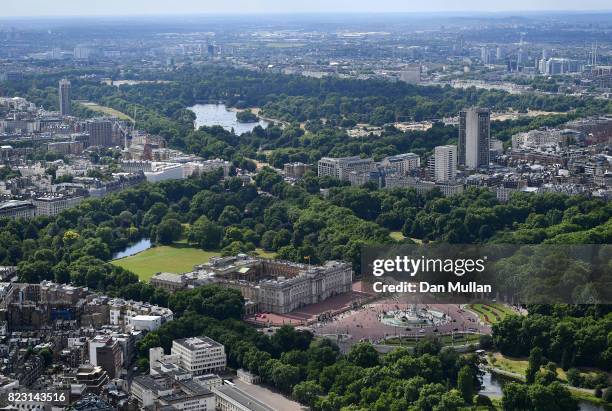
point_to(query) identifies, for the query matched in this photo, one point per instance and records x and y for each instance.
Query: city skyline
(39, 8)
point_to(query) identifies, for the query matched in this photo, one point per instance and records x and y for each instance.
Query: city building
(120, 311)
(448, 188)
(146, 322)
(169, 281)
(361, 178)
(445, 163)
(66, 147)
(295, 170)
(65, 98)
(537, 138)
(52, 205)
(411, 74)
(474, 135)
(164, 171)
(94, 378)
(207, 166)
(172, 391)
(17, 209)
(401, 163)
(340, 168)
(105, 352)
(555, 66)
(231, 398)
(199, 355)
(100, 132)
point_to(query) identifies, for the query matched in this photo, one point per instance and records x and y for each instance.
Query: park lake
(219, 115)
(140, 245)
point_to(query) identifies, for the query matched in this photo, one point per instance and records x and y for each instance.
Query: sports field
(173, 259)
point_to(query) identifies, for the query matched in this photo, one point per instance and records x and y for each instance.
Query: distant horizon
(296, 15)
(135, 8)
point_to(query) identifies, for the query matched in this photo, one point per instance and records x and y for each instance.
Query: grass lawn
(396, 235)
(585, 396)
(491, 313)
(515, 365)
(446, 340)
(265, 254)
(177, 258)
(105, 110)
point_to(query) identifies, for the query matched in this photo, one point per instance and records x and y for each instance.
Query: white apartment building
(341, 168)
(164, 171)
(146, 322)
(445, 163)
(402, 163)
(52, 205)
(200, 355)
(207, 166)
(122, 311)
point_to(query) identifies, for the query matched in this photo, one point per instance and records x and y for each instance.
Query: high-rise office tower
(64, 97)
(499, 54)
(484, 55)
(474, 137)
(445, 163)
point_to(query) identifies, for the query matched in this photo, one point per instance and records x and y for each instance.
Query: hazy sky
(131, 7)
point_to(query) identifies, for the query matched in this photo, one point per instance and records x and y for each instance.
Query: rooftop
(7, 205)
(242, 398)
(197, 343)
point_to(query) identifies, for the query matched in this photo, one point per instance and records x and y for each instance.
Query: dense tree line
(476, 216)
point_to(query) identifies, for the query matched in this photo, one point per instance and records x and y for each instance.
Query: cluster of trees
(542, 397)
(570, 335)
(246, 116)
(476, 216)
(542, 390)
(6, 173)
(74, 246)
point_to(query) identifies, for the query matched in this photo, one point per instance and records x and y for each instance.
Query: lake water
(219, 115)
(135, 248)
(493, 384)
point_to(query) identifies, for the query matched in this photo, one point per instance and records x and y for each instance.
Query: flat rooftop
(198, 343)
(243, 398)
